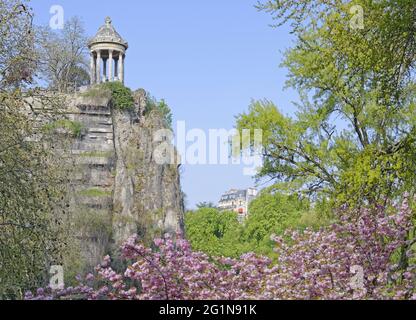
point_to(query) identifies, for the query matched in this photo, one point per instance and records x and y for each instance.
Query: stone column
(98, 67)
(121, 63)
(116, 69)
(105, 69)
(110, 65)
(92, 68)
(119, 67)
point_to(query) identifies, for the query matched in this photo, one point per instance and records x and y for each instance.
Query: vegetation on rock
(121, 96)
(152, 104)
(95, 192)
(74, 127)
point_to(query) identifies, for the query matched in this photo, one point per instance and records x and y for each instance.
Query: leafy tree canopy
(353, 137)
(213, 232)
(221, 234)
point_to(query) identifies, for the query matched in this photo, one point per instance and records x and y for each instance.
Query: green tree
(353, 137)
(32, 181)
(221, 234)
(213, 232)
(274, 213)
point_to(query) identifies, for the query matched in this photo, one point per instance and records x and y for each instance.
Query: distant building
(237, 201)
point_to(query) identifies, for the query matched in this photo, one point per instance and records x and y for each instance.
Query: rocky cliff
(117, 189)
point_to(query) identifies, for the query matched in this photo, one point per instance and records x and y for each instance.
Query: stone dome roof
(108, 34)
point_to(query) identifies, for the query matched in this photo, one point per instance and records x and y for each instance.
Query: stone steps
(98, 136)
(93, 153)
(94, 110)
(105, 130)
(99, 161)
(93, 146)
(103, 180)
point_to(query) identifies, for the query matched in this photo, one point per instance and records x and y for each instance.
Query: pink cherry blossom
(310, 265)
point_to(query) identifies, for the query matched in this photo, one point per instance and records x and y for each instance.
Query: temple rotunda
(108, 52)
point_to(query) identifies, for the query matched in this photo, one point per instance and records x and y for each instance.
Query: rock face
(118, 188)
(147, 196)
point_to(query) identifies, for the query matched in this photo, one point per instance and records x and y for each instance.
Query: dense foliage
(311, 265)
(214, 233)
(218, 233)
(121, 96)
(30, 189)
(273, 214)
(31, 176)
(353, 137)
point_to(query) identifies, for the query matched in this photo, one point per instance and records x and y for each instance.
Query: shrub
(74, 127)
(121, 96)
(161, 106)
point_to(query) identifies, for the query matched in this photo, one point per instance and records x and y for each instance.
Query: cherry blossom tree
(366, 255)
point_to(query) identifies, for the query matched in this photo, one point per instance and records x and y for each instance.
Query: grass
(97, 91)
(94, 192)
(96, 154)
(121, 96)
(74, 127)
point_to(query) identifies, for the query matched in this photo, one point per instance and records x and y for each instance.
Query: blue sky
(207, 59)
